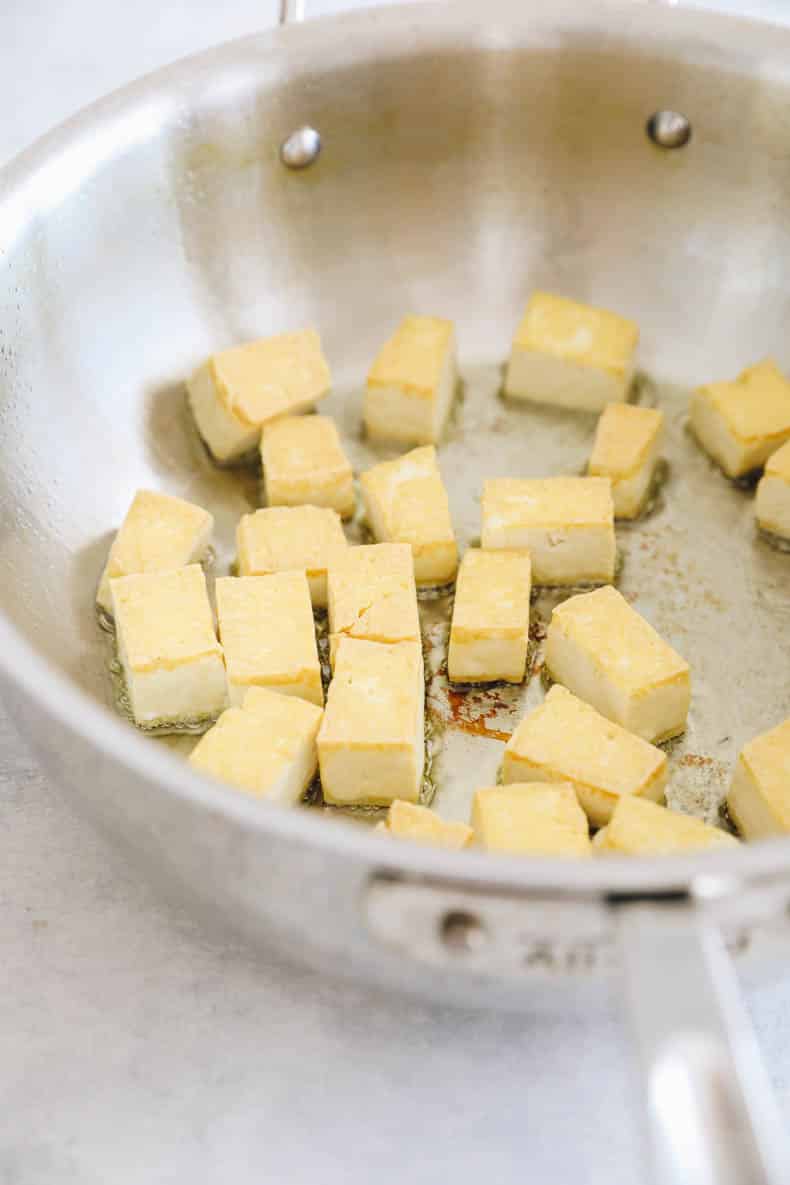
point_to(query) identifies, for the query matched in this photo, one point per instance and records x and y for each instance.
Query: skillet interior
(467, 160)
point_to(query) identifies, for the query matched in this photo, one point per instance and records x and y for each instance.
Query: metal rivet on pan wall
(462, 931)
(669, 129)
(301, 148)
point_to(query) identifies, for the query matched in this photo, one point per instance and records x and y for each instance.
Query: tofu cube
(639, 827)
(406, 502)
(571, 355)
(169, 653)
(531, 819)
(291, 539)
(772, 505)
(370, 744)
(267, 629)
(159, 533)
(626, 450)
(565, 523)
(759, 797)
(409, 820)
(304, 464)
(742, 422)
(372, 595)
(489, 633)
(565, 740)
(237, 391)
(267, 747)
(606, 653)
(412, 382)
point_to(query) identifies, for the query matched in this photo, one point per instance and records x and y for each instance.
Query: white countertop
(136, 1047)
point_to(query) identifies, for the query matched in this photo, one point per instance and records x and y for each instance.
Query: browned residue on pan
(471, 710)
(696, 759)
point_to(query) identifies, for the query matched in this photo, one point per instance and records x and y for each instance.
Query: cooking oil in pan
(694, 565)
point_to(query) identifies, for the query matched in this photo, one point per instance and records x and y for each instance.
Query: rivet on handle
(462, 931)
(669, 129)
(301, 149)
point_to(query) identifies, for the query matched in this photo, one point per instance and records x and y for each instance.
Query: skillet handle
(712, 1118)
(292, 12)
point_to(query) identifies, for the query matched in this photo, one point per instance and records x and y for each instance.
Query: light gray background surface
(134, 1046)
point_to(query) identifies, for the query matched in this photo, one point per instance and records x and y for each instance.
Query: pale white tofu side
(566, 556)
(740, 424)
(626, 450)
(751, 811)
(759, 796)
(228, 438)
(571, 354)
(734, 456)
(606, 653)
(566, 524)
(404, 400)
(186, 695)
(266, 747)
(630, 493)
(171, 660)
(371, 742)
(772, 505)
(487, 660)
(541, 378)
(392, 413)
(489, 632)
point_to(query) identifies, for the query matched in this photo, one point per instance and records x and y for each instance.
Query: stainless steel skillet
(467, 157)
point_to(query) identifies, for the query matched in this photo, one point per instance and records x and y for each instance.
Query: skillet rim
(159, 95)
